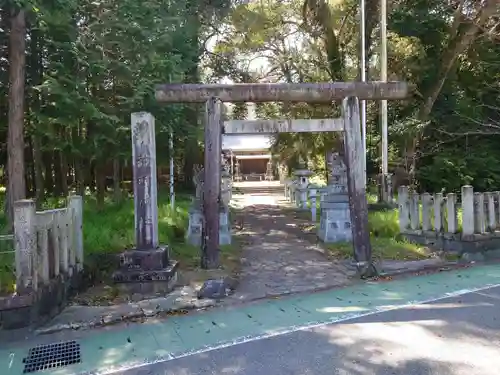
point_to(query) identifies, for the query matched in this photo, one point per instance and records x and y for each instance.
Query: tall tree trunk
(79, 176)
(64, 173)
(49, 172)
(78, 163)
(100, 181)
(29, 167)
(39, 181)
(321, 15)
(117, 191)
(58, 188)
(15, 138)
(36, 68)
(192, 75)
(91, 176)
(460, 39)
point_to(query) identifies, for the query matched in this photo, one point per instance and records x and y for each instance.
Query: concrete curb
(104, 316)
(445, 266)
(180, 302)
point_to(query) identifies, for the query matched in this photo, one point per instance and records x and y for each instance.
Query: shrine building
(248, 155)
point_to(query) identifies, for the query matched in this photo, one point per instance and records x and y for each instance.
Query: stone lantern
(301, 187)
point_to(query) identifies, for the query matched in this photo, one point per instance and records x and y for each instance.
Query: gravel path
(279, 258)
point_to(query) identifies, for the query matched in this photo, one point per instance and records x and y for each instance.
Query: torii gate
(349, 124)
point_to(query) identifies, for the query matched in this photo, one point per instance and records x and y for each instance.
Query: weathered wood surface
(355, 181)
(46, 242)
(283, 126)
(145, 185)
(281, 92)
(212, 182)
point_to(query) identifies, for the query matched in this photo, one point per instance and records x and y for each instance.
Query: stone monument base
(335, 219)
(224, 227)
(193, 235)
(195, 225)
(146, 271)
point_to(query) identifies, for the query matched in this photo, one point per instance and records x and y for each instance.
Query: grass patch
(385, 241)
(385, 238)
(7, 264)
(189, 255)
(382, 248)
(111, 228)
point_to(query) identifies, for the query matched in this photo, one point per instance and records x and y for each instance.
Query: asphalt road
(456, 335)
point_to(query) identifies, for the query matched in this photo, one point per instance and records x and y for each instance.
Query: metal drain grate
(51, 356)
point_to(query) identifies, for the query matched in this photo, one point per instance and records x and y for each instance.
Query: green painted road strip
(105, 351)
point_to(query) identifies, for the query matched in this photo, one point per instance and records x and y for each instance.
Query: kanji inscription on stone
(145, 187)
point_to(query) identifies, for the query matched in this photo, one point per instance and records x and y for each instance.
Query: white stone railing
(305, 198)
(47, 243)
(476, 213)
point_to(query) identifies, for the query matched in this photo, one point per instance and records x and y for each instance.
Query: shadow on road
(458, 336)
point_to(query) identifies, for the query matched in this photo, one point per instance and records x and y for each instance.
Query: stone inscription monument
(147, 267)
(335, 217)
(144, 169)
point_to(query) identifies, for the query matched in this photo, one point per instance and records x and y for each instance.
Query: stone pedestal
(195, 224)
(146, 272)
(224, 227)
(335, 215)
(195, 227)
(335, 220)
(226, 188)
(147, 268)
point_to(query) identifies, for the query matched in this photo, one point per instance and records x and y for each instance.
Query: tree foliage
(447, 49)
(89, 65)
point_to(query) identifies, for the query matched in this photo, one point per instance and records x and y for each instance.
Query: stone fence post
(76, 205)
(312, 195)
(467, 210)
(404, 208)
(25, 244)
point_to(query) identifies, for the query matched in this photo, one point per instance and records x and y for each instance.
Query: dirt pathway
(278, 258)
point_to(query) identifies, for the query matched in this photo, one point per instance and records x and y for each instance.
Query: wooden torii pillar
(350, 92)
